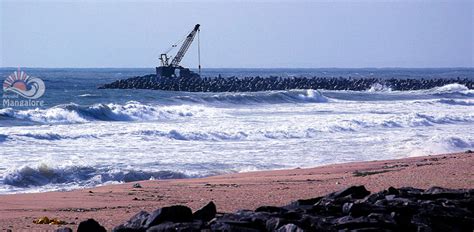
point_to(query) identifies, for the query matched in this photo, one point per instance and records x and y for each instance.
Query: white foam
(241, 132)
(452, 88)
(377, 87)
(440, 144)
(313, 96)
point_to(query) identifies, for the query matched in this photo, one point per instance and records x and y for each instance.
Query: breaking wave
(457, 102)
(310, 131)
(43, 174)
(377, 87)
(44, 177)
(136, 111)
(423, 119)
(452, 88)
(440, 144)
(73, 113)
(455, 88)
(272, 97)
(54, 136)
(193, 136)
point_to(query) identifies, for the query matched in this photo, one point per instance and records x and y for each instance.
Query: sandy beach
(113, 204)
(241, 116)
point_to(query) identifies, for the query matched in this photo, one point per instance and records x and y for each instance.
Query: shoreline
(114, 204)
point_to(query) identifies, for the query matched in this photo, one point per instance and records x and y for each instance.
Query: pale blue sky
(240, 34)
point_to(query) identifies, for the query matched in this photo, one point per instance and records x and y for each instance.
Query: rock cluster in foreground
(252, 84)
(354, 209)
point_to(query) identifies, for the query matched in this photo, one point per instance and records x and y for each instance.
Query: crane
(173, 69)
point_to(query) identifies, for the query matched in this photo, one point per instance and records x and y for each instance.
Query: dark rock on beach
(351, 209)
(206, 213)
(136, 223)
(176, 213)
(252, 84)
(90, 225)
(137, 185)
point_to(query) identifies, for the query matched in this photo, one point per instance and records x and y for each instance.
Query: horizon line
(388, 67)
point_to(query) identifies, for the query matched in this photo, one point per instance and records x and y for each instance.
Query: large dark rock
(206, 213)
(233, 226)
(438, 192)
(134, 224)
(176, 213)
(290, 228)
(275, 223)
(90, 225)
(356, 192)
(163, 227)
(271, 209)
(177, 227)
(351, 209)
(303, 204)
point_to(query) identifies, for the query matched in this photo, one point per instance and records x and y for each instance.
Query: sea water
(84, 137)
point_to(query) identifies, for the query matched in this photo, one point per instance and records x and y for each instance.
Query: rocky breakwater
(252, 84)
(351, 209)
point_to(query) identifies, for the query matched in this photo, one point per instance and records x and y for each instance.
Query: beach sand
(114, 204)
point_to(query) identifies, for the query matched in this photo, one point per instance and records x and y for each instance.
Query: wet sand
(114, 204)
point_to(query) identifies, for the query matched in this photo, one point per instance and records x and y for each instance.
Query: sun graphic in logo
(22, 84)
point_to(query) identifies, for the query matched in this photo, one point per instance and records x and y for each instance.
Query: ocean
(83, 136)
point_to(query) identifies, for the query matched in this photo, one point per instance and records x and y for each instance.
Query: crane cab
(173, 69)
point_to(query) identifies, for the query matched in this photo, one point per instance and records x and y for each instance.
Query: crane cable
(199, 52)
(174, 45)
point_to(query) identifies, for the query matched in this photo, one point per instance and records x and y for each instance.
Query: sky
(238, 34)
